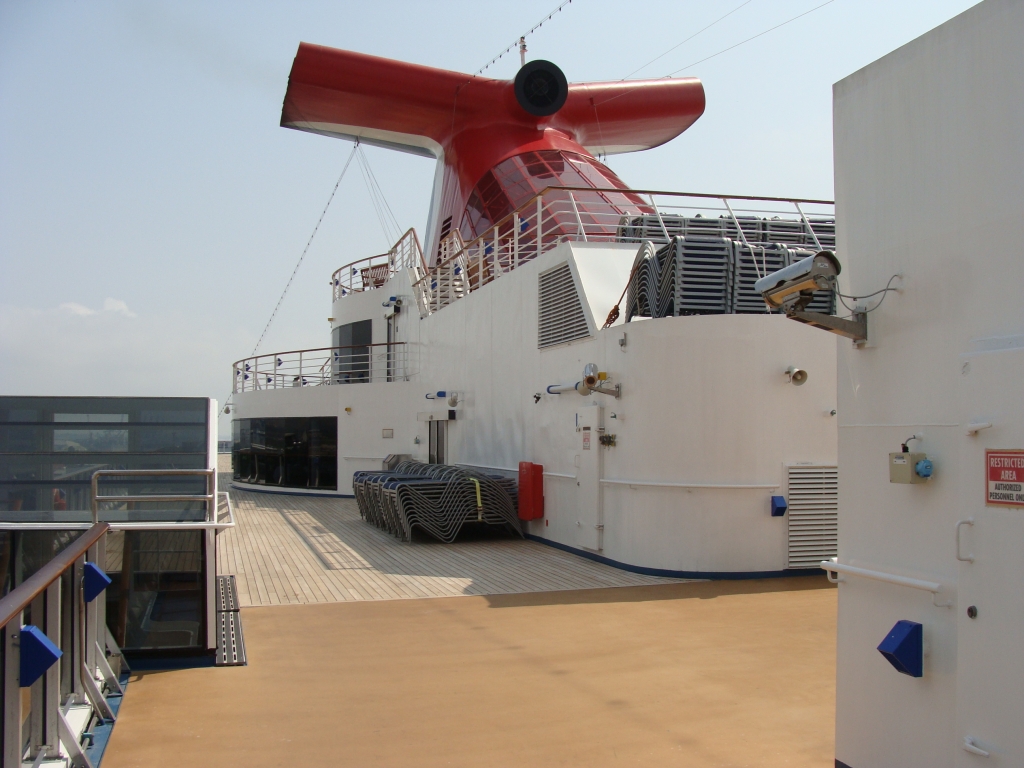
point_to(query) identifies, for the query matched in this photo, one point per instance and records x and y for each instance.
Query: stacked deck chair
(438, 499)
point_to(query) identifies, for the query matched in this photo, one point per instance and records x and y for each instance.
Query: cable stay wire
(373, 200)
(305, 250)
(725, 50)
(388, 223)
(759, 34)
(684, 42)
(380, 191)
(522, 37)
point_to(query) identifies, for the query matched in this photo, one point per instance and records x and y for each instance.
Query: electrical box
(909, 468)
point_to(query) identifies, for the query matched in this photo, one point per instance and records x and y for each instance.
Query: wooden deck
(301, 549)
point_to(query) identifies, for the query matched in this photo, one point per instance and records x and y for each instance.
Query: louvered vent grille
(561, 317)
(813, 514)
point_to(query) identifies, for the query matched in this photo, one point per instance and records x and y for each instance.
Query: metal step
(227, 594)
(230, 641)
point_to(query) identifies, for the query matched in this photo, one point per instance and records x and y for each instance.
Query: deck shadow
(691, 590)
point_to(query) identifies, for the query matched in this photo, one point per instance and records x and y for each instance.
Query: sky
(152, 208)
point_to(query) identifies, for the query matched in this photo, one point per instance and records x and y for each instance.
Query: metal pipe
(726, 486)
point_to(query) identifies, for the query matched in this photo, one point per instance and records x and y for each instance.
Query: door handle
(959, 525)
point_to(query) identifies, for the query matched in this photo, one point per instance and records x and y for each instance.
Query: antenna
(522, 51)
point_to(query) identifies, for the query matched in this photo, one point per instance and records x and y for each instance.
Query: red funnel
(495, 154)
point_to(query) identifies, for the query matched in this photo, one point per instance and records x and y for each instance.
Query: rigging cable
(306, 249)
(759, 34)
(532, 29)
(725, 50)
(388, 223)
(709, 26)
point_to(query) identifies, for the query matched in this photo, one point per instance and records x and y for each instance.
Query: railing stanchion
(810, 229)
(12, 695)
(540, 213)
(664, 229)
(579, 222)
(515, 241)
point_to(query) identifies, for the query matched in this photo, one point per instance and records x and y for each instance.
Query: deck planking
(289, 550)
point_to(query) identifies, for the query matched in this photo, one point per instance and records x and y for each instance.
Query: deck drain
(230, 642)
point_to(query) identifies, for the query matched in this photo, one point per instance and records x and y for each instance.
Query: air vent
(560, 317)
(813, 514)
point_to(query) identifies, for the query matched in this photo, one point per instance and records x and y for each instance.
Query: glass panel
(105, 440)
(50, 448)
(156, 599)
(90, 417)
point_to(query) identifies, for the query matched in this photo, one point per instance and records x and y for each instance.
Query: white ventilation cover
(813, 514)
(560, 317)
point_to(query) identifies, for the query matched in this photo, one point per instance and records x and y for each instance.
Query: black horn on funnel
(541, 88)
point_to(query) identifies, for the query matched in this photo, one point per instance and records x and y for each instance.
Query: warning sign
(1005, 478)
(586, 439)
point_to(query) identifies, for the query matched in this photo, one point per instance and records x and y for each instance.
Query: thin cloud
(77, 309)
(116, 305)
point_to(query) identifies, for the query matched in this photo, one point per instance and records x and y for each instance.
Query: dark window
(513, 182)
(437, 442)
(352, 360)
(290, 452)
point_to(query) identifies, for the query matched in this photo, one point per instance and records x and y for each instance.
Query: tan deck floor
(689, 674)
(303, 549)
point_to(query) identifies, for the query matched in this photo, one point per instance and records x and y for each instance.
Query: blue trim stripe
(662, 572)
(258, 489)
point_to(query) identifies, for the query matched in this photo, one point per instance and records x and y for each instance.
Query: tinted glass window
(292, 453)
(51, 446)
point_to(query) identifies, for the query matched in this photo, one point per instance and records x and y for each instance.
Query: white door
(589, 516)
(990, 646)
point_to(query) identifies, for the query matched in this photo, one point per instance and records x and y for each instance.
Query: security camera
(793, 287)
(797, 376)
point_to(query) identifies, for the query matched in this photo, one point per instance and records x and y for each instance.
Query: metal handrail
(19, 598)
(406, 253)
(219, 525)
(834, 566)
(317, 349)
(532, 202)
(210, 497)
(322, 366)
(557, 213)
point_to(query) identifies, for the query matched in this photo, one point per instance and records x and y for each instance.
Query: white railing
(368, 363)
(585, 214)
(372, 272)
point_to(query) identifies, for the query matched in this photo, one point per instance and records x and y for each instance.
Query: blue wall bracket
(38, 654)
(95, 581)
(779, 506)
(903, 647)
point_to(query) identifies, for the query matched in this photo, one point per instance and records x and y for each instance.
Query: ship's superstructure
(672, 445)
(931, 429)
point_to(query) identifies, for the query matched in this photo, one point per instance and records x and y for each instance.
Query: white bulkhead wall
(929, 168)
(705, 401)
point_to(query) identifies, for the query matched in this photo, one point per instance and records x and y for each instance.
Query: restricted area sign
(1005, 478)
